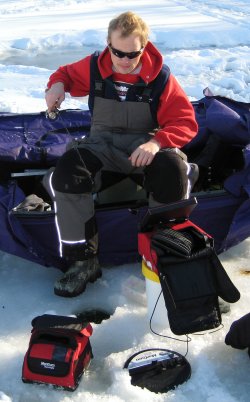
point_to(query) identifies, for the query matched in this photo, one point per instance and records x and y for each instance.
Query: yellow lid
(148, 273)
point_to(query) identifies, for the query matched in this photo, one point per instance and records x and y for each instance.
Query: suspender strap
(97, 85)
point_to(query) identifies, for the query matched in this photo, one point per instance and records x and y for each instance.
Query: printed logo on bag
(50, 366)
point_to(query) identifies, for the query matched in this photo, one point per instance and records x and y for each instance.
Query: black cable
(188, 339)
(171, 337)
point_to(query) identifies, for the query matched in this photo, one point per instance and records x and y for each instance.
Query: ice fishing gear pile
(191, 278)
(59, 351)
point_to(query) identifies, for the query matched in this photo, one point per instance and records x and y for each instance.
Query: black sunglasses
(121, 55)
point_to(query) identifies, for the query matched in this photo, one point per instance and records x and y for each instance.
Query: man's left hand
(144, 154)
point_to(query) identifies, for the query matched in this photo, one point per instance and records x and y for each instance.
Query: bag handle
(58, 322)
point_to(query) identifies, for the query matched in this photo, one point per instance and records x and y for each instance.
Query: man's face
(129, 44)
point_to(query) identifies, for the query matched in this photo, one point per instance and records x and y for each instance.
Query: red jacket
(175, 113)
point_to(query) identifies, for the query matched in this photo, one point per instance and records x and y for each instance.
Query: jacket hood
(151, 63)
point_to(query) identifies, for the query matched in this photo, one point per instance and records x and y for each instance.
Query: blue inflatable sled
(32, 143)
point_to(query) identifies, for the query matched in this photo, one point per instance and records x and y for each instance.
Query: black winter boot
(74, 281)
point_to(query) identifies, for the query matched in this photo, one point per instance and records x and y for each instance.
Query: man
(140, 119)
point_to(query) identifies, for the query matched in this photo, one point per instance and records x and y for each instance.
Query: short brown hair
(129, 23)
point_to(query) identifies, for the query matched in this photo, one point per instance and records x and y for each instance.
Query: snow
(206, 44)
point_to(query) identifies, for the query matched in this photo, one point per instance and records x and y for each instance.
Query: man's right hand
(55, 96)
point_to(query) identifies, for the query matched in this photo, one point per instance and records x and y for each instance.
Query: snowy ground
(206, 44)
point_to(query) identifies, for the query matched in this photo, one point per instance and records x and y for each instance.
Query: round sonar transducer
(158, 370)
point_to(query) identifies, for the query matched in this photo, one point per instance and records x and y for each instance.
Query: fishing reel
(53, 114)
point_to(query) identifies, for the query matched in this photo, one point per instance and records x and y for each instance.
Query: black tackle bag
(192, 277)
(59, 351)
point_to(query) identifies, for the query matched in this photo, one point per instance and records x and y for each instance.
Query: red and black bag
(59, 351)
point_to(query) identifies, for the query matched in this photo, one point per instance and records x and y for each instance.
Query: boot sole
(65, 293)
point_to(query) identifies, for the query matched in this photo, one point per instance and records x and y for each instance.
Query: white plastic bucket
(153, 290)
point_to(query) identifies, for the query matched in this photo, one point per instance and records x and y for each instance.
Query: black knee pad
(166, 177)
(71, 174)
